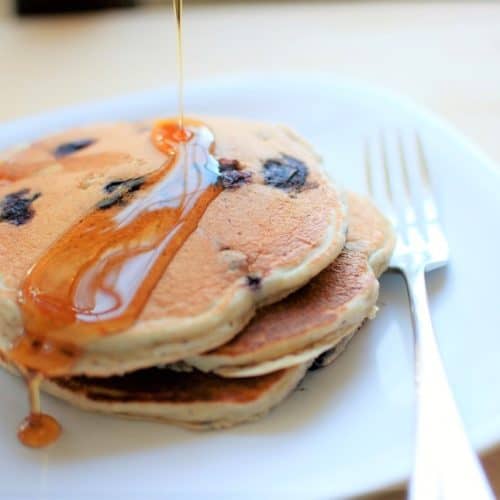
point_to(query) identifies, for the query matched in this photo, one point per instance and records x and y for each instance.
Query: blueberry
(119, 190)
(286, 172)
(128, 185)
(234, 179)
(254, 282)
(231, 176)
(72, 147)
(16, 207)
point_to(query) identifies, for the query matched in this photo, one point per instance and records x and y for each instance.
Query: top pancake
(254, 244)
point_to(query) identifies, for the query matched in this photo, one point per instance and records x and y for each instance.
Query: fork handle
(446, 467)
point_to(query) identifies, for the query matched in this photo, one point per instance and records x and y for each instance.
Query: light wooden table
(444, 55)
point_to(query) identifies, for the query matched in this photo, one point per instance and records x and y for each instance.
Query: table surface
(443, 55)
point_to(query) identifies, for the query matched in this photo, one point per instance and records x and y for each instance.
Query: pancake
(259, 240)
(319, 316)
(195, 400)
(312, 352)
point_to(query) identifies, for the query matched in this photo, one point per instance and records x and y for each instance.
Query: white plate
(349, 428)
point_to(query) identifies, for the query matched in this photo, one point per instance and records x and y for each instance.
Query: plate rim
(487, 439)
(235, 78)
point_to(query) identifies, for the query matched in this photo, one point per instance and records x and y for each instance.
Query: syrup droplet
(37, 429)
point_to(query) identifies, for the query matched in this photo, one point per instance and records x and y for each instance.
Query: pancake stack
(279, 274)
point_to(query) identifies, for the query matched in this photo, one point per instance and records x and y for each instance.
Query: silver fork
(445, 465)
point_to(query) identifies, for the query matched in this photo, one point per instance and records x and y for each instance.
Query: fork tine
(433, 228)
(405, 197)
(386, 168)
(385, 200)
(413, 225)
(400, 191)
(409, 211)
(429, 206)
(368, 169)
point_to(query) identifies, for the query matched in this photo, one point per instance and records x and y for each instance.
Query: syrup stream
(177, 5)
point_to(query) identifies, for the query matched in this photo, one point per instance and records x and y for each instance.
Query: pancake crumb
(286, 173)
(16, 208)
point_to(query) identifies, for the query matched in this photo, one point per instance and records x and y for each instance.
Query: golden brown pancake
(256, 242)
(318, 316)
(190, 399)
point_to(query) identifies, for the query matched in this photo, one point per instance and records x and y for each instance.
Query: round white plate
(349, 428)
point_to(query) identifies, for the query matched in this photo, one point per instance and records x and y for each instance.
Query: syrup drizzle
(96, 279)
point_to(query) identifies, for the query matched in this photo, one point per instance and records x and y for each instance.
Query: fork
(445, 465)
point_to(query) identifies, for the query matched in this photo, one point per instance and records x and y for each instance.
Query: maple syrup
(96, 279)
(37, 430)
(177, 6)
